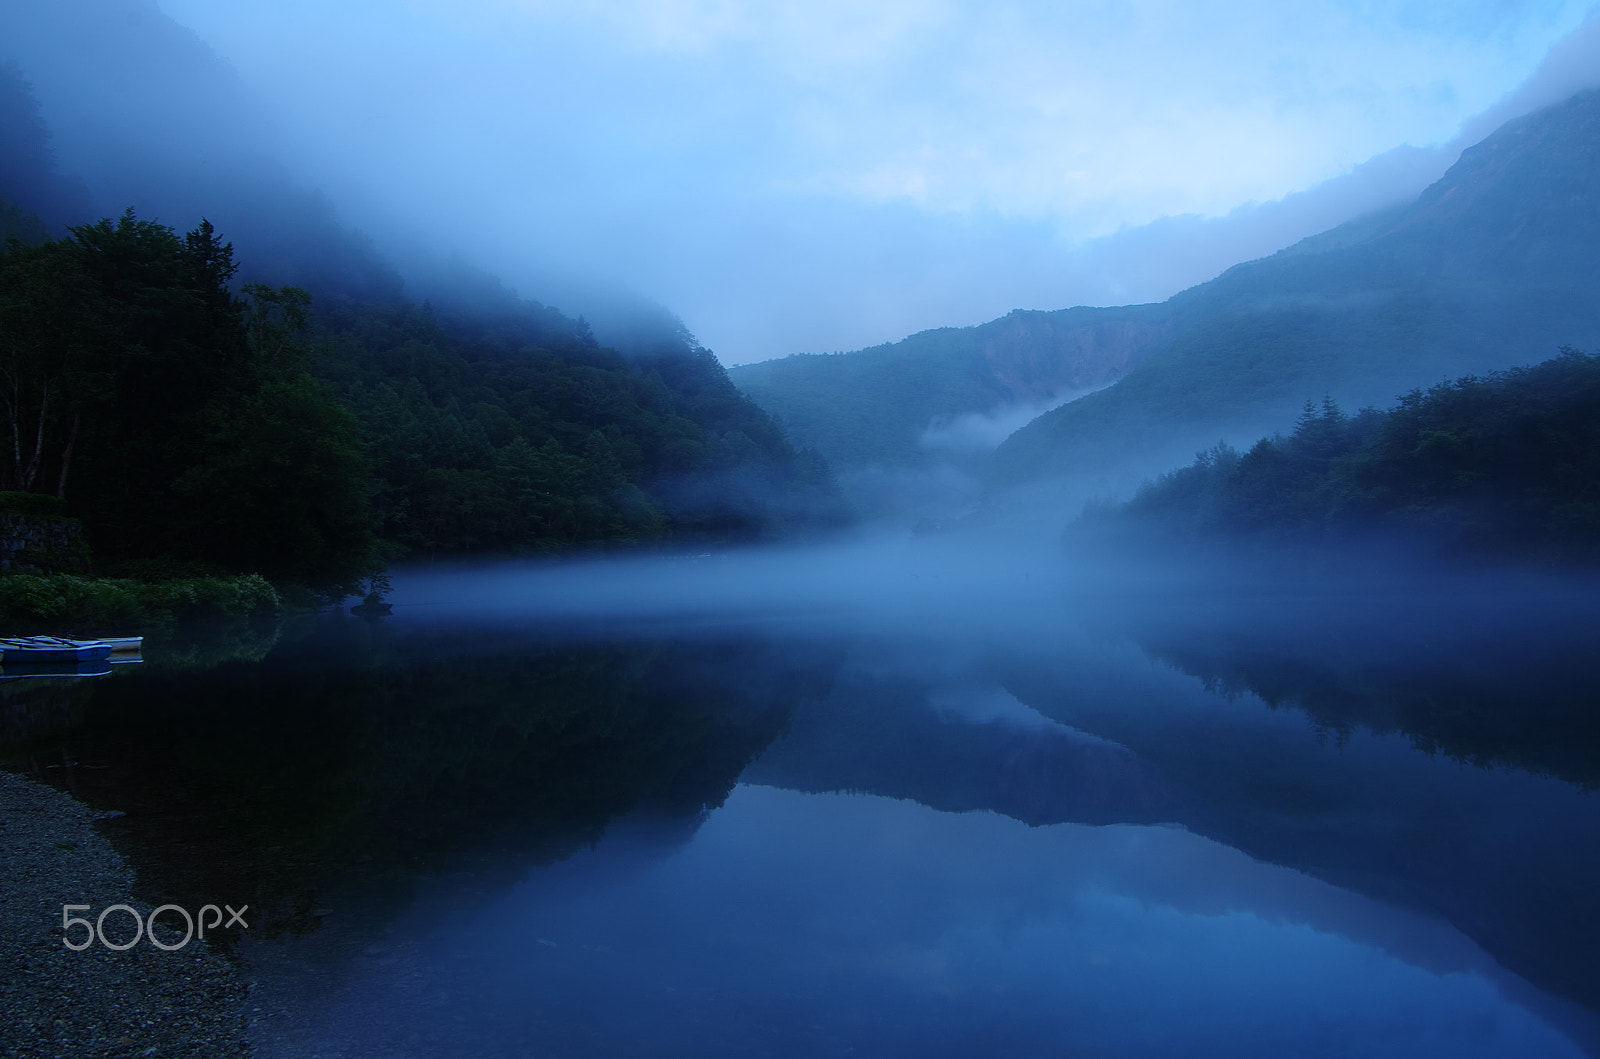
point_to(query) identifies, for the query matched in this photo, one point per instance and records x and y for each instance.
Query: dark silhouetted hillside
(198, 420)
(1505, 465)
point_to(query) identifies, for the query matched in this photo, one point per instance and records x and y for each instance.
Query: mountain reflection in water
(1352, 825)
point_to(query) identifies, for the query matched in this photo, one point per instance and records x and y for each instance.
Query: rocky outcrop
(1039, 357)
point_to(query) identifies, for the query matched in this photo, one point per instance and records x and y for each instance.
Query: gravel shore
(56, 1002)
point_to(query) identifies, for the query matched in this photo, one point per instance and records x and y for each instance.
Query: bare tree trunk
(16, 430)
(66, 458)
(26, 477)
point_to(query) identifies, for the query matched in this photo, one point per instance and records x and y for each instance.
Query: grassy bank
(63, 604)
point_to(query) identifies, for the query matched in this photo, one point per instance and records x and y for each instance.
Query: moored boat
(51, 650)
(13, 671)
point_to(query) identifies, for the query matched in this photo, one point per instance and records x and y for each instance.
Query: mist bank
(404, 137)
(683, 162)
(1017, 586)
(111, 104)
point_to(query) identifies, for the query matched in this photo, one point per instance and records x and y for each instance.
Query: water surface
(744, 822)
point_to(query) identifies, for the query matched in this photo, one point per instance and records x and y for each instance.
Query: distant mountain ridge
(874, 405)
(1492, 265)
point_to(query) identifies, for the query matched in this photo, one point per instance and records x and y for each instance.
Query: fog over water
(948, 847)
(1010, 579)
(862, 583)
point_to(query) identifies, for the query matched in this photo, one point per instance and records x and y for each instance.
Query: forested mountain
(1491, 266)
(200, 423)
(1505, 465)
(879, 405)
(517, 433)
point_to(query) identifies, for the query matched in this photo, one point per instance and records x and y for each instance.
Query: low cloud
(977, 433)
(792, 177)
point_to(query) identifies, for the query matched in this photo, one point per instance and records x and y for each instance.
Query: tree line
(1504, 464)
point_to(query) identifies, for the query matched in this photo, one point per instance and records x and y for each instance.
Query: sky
(817, 175)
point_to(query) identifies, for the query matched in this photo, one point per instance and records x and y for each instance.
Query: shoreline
(57, 1002)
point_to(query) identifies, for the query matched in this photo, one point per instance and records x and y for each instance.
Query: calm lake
(747, 806)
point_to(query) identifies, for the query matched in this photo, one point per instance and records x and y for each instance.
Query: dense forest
(1506, 464)
(197, 429)
(521, 434)
(175, 419)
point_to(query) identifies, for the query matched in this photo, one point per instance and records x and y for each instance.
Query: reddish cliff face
(1036, 358)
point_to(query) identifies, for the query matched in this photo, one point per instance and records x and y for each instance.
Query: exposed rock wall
(54, 545)
(1038, 357)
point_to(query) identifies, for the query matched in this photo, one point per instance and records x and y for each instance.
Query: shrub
(66, 603)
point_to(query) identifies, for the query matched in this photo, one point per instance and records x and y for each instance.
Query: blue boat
(51, 650)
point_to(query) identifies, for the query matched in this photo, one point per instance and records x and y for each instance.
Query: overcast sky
(811, 175)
